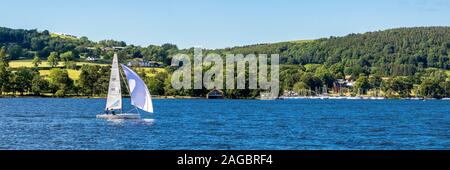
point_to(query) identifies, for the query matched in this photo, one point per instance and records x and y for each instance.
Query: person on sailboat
(107, 111)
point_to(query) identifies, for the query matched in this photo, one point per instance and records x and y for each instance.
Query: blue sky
(219, 23)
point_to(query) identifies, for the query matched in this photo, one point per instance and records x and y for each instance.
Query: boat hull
(119, 116)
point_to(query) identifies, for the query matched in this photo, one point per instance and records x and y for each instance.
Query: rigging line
(130, 110)
(137, 110)
(121, 75)
(126, 80)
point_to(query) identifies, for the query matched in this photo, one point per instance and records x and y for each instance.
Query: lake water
(27, 123)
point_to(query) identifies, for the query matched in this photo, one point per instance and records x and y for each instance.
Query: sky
(219, 23)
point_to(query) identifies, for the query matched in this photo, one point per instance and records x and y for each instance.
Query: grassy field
(152, 71)
(62, 36)
(28, 63)
(301, 41)
(73, 74)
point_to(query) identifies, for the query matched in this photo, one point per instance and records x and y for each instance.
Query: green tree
(358, 71)
(386, 87)
(89, 75)
(156, 83)
(60, 82)
(67, 57)
(311, 81)
(70, 65)
(402, 86)
(325, 76)
(5, 75)
(362, 83)
(375, 81)
(39, 85)
(338, 70)
(289, 75)
(53, 59)
(22, 80)
(430, 87)
(37, 43)
(15, 51)
(4, 59)
(102, 84)
(168, 89)
(446, 86)
(154, 53)
(169, 50)
(36, 60)
(300, 86)
(94, 80)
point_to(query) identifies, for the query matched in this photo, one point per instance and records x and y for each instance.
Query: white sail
(114, 100)
(140, 96)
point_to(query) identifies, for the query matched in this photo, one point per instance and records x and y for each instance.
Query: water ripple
(227, 124)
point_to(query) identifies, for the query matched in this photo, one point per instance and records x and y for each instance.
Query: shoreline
(95, 97)
(190, 97)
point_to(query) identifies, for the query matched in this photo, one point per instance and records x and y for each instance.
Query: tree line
(430, 83)
(393, 52)
(400, 62)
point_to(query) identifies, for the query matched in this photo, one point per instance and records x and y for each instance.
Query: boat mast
(126, 85)
(118, 68)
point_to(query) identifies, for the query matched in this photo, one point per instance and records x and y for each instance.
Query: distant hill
(63, 36)
(26, 44)
(402, 51)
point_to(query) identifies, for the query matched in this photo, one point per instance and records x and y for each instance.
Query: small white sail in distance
(140, 96)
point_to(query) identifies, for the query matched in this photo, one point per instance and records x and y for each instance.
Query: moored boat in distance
(267, 96)
(337, 97)
(414, 98)
(354, 98)
(332, 98)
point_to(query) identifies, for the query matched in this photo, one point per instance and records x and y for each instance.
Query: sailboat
(140, 95)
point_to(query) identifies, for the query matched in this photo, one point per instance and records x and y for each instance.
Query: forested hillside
(27, 44)
(401, 62)
(402, 51)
